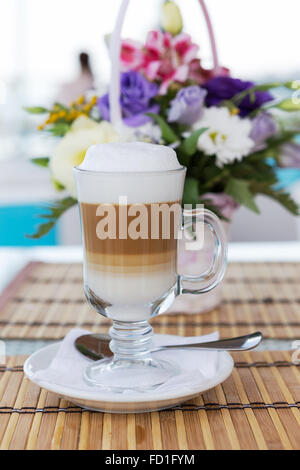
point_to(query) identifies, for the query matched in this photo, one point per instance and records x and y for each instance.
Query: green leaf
(36, 110)
(189, 145)
(254, 170)
(55, 211)
(252, 96)
(42, 230)
(216, 177)
(289, 105)
(190, 193)
(283, 198)
(59, 129)
(167, 132)
(61, 106)
(292, 85)
(41, 161)
(240, 192)
(58, 186)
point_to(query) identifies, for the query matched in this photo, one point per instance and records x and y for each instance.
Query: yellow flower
(72, 148)
(71, 115)
(234, 111)
(171, 18)
(81, 99)
(94, 100)
(62, 114)
(87, 108)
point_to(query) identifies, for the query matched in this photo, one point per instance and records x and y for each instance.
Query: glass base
(137, 375)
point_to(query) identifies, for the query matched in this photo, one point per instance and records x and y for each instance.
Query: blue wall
(18, 221)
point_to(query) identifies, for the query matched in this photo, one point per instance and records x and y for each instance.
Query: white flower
(148, 132)
(227, 136)
(72, 148)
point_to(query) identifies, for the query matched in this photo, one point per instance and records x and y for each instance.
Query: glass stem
(131, 341)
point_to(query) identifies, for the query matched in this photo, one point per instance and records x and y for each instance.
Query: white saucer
(99, 400)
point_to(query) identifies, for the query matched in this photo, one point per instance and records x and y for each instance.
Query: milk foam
(129, 157)
(138, 171)
(130, 297)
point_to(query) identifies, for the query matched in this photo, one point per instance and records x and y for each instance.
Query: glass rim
(76, 169)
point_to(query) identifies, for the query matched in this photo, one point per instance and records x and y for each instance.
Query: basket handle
(115, 79)
(211, 34)
(115, 51)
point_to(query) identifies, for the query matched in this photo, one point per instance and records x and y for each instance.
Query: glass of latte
(129, 196)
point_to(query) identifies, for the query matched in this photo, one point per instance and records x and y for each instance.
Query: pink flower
(132, 55)
(200, 75)
(166, 58)
(224, 203)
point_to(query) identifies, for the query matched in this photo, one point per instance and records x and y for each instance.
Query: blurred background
(53, 49)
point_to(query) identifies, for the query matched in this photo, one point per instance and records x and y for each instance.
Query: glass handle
(209, 279)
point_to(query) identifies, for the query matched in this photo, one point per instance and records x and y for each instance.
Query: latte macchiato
(130, 205)
(130, 270)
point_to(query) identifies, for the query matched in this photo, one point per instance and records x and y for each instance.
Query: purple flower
(135, 99)
(290, 155)
(224, 203)
(187, 107)
(263, 127)
(225, 88)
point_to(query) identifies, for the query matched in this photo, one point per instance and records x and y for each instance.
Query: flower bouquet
(232, 135)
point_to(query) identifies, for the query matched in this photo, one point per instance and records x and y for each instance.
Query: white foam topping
(129, 157)
(136, 170)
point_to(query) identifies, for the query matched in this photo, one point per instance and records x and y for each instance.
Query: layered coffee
(130, 269)
(127, 257)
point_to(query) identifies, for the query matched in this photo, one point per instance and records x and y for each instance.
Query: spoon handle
(241, 343)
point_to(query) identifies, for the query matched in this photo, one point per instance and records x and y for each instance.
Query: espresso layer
(115, 222)
(142, 270)
(154, 259)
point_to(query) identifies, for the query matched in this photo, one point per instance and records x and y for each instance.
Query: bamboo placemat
(258, 407)
(47, 300)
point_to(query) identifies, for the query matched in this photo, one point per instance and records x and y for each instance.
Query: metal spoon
(97, 346)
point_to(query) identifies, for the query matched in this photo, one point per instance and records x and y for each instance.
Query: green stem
(210, 184)
(267, 86)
